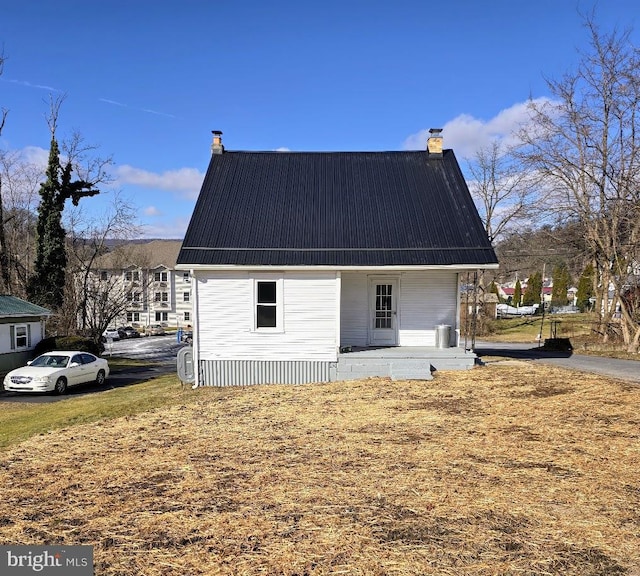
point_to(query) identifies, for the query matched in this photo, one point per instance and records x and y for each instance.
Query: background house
(22, 326)
(296, 257)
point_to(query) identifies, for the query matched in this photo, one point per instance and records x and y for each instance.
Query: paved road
(160, 351)
(628, 370)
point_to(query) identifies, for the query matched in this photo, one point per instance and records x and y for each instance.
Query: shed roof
(14, 306)
(335, 209)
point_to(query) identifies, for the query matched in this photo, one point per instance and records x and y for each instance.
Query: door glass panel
(384, 306)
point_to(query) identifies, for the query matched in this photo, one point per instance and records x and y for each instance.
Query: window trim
(279, 305)
(14, 336)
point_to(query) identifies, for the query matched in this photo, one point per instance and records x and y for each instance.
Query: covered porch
(400, 362)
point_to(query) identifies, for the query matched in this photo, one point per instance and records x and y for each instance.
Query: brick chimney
(434, 143)
(216, 146)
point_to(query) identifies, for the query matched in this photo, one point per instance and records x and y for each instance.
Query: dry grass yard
(510, 469)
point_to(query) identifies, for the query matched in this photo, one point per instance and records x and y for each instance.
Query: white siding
(354, 310)
(427, 298)
(35, 332)
(226, 317)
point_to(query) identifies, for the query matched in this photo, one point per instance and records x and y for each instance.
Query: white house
(300, 261)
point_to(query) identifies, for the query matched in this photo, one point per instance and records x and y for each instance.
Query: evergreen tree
(561, 281)
(517, 294)
(585, 288)
(46, 285)
(534, 288)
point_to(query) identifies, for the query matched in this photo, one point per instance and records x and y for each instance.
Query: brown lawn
(506, 469)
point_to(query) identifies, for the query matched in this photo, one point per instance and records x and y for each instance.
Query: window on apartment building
(187, 316)
(104, 275)
(136, 296)
(160, 276)
(267, 312)
(162, 316)
(186, 296)
(132, 276)
(161, 297)
(129, 296)
(186, 277)
(133, 316)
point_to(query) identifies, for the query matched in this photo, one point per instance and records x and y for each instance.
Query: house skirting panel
(249, 372)
(13, 360)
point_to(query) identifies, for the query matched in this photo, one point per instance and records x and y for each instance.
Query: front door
(383, 307)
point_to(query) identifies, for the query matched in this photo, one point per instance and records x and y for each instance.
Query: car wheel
(100, 378)
(61, 386)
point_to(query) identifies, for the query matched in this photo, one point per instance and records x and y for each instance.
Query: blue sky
(148, 81)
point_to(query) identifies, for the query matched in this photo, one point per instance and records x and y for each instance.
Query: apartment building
(144, 284)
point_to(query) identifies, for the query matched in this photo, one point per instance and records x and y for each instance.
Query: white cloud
(282, 149)
(467, 134)
(186, 181)
(151, 211)
(35, 156)
(167, 229)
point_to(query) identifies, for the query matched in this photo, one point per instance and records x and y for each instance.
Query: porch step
(396, 369)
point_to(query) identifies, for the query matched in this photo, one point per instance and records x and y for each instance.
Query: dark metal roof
(335, 209)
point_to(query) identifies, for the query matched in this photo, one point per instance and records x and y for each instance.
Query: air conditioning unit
(164, 305)
(163, 284)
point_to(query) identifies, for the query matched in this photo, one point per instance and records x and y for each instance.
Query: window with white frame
(187, 316)
(104, 275)
(186, 296)
(160, 276)
(133, 316)
(162, 316)
(20, 336)
(268, 304)
(161, 297)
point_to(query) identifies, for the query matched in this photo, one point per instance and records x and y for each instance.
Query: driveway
(628, 370)
(159, 351)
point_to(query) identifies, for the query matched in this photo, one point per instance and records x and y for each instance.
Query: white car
(111, 333)
(55, 371)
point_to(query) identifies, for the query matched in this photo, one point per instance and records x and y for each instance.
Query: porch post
(338, 309)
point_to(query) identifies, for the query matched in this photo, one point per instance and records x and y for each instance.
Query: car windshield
(51, 361)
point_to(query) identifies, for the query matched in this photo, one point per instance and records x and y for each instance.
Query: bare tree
(504, 193)
(97, 296)
(20, 179)
(585, 144)
(3, 111)
(4, 258)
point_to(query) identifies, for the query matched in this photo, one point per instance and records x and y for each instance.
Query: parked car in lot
(110, 333)
(155, 330)
(128, 332)
(56, 371)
